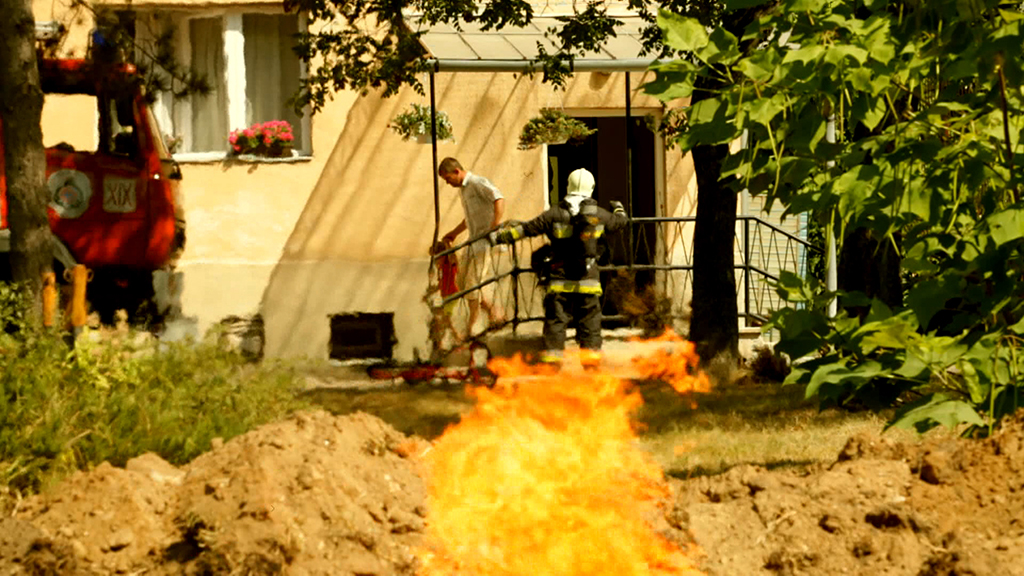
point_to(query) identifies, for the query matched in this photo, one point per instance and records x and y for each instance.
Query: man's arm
(499, 211)
(450, 237)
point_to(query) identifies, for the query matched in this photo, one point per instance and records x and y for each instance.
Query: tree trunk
(21, 106)
(714, 322)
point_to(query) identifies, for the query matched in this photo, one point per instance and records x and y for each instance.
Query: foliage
(369, 45)
(928, 107)
(553, 126)
(114, 40)
(415, 122)
(116, 398)
(273, 138)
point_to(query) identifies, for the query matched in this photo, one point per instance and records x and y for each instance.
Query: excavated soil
(323, 494)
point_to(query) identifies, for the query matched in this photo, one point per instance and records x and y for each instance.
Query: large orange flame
(544, 478)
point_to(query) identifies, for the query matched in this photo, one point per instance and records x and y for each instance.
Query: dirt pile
(320, 494)
(315, 493)
(939, 507)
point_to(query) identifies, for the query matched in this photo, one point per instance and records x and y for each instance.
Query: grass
(116, 396)
(764, 424)
(767, 424)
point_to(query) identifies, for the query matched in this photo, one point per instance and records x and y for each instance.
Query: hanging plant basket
(414, 124)
(553, 127)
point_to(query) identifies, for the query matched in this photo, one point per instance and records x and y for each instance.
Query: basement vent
(362, 335)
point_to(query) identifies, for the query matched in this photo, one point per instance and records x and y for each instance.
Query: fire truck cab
(116, 209)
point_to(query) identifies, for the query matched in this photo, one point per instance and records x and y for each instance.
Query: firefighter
(573, 282)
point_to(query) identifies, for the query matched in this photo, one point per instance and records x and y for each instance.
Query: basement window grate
(362, 335)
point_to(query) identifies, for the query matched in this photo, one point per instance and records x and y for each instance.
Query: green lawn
(764, 424)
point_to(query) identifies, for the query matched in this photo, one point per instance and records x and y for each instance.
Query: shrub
(105, 400)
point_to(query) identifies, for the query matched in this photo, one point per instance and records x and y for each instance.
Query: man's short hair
(448, 166)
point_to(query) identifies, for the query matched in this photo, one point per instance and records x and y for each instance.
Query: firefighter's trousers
(561, 308)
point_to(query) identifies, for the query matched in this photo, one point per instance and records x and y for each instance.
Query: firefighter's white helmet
(581, 182)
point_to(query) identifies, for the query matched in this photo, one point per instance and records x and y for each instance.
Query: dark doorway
(604, 154)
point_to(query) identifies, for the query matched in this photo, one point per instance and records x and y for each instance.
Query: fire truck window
(123, 140)
(70, 120)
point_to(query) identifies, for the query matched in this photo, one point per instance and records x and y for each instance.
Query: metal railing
(653, 257)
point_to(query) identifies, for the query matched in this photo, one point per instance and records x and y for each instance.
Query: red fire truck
(115, 209)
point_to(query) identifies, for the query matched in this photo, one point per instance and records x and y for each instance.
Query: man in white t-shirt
(483, 206)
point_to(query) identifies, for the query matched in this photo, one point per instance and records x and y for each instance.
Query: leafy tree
(928, 101)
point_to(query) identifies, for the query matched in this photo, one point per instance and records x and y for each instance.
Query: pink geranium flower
(271, 138)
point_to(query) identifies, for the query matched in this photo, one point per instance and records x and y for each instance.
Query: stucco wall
(347, 230)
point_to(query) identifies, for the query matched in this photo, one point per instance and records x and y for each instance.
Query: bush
(768, 365)
(66, 410)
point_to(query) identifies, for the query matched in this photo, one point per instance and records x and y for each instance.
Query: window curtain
(209, 112)
(272, 70)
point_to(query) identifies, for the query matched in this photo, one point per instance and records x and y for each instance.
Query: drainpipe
(831, 274)
(433, 170)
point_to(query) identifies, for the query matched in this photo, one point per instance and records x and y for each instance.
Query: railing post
(515, 288)
(629, 172)
(746, 272)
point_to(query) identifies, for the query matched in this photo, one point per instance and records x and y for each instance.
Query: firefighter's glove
(617, 206)
(507, 233)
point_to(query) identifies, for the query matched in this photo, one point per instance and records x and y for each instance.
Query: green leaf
(811, 53)
(929, 296)
(763, 110)
(1007, 225)
(839, 53)
(860, 79)
(860, 373)
(722, 48)
(868, 109)
(1010, 15)
(804, 5)
(758, 66)
(933, 410)
(896, 332)
(668, 86)
(682, 33)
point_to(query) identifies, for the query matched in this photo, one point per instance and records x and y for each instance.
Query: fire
(544, 477)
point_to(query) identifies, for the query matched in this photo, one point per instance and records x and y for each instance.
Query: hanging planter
(553, 127)
(414, 123)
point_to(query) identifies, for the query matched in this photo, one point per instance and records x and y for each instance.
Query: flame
(544, 477)
(675, 364)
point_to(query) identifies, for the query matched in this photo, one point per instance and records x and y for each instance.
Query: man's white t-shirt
(478, 197)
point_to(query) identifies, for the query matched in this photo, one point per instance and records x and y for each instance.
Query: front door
(604, 155)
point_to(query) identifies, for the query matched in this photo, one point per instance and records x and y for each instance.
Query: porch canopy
(515, 49)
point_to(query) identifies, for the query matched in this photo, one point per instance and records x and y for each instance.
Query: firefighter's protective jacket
(573, 242)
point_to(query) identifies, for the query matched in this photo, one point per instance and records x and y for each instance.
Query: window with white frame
(248, 61)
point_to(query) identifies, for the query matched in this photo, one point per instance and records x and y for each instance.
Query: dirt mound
(317, 493)
(937, 507)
